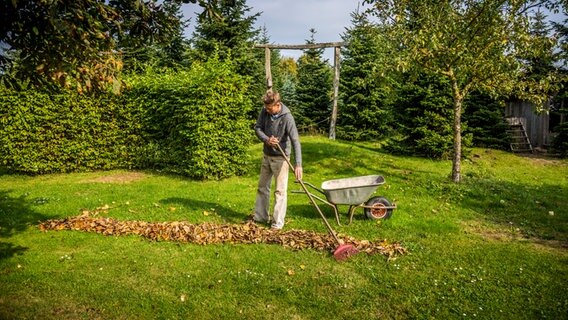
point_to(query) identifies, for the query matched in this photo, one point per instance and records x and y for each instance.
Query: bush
(195, 122)
(64, 132)
(192, 122)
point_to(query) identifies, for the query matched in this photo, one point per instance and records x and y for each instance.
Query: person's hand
(298, 172)
(272, 141)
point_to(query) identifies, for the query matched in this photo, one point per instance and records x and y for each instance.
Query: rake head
(344, 251)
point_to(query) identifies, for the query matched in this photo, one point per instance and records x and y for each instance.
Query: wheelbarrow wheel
(377, 208)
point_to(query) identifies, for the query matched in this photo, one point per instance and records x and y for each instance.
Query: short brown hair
(271, 97)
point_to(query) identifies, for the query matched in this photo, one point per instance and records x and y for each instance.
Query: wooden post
(336, 45)
(335, 93)
(267, 68)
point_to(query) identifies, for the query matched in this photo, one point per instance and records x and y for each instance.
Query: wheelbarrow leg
(351, 212)
(336, 214)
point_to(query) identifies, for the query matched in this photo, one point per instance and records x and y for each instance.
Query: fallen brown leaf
(210, 233)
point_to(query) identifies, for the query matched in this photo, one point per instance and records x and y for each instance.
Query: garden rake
(343, 251)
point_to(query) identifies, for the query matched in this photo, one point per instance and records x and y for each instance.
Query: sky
(290, 21)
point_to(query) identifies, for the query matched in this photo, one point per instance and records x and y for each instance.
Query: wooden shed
(537, 126)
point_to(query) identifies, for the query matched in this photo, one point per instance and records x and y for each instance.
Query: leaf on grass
(210, 233)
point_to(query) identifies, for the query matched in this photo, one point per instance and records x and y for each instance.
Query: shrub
(195, 122)
(64, 132)
(192, 122)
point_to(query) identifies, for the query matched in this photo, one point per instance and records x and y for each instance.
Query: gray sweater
(284, 128)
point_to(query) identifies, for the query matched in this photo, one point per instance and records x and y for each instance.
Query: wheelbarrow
(356, 193)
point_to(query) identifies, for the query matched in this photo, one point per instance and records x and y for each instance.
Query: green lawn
(493, 247)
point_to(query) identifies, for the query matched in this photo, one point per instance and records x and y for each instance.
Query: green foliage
(475, 45)
(195, 121)
(561, 29)
(57, 41)
(313, 90)
(278, 73)
(560, 142)
(423, 113)
(288, 93)
(289, 69)
(192, 122)
(63, 132)
(486, 121)
(73, 44)
(156, 39)
(227, 31)
(365, 108)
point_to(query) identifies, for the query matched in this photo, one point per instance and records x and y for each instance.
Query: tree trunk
(456, 162)
(458, 100)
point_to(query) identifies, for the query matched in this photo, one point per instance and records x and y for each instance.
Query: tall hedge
(63, 132)
(192, 122)
(195, 122)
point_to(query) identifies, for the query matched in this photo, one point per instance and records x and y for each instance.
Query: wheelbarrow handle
(331, 232)
(314, 187)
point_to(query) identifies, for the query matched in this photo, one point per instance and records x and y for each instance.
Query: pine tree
(365, 109)
(143, 43)
(485, 118)
(275, 65)
(289, 74)
(172, 54)
(560, 142)
(423, 116)
(314, 89)
(230, 34)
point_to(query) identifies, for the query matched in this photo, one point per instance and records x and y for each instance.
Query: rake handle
(331, 232)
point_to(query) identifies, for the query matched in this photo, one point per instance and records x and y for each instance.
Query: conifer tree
(314, 89)
(275, 65)
(229, 33)
(365, 109)
(165, 49)
(289, 74)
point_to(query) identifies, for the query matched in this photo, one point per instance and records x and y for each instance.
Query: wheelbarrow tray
(351, 191)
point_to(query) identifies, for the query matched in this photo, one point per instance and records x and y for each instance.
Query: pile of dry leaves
(209, 233)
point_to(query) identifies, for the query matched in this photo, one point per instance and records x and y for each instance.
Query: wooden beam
(335, 93)
(267, 69)
(302, 46)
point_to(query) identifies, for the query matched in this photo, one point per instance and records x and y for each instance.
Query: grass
(492, 247)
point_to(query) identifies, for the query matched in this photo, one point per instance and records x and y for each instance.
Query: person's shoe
(251, 218)
(275, 228)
